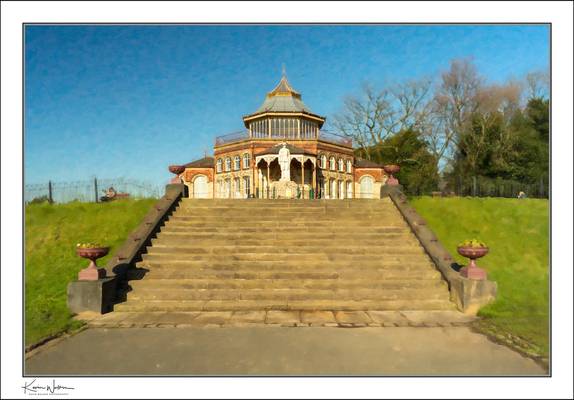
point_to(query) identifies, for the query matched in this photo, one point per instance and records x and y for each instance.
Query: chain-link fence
(93, 190)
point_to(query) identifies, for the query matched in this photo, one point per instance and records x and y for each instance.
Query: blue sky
(127, 101)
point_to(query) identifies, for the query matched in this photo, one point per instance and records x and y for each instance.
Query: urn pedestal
(472, 271)
(392, 169)
(177, 170)
(92, 272)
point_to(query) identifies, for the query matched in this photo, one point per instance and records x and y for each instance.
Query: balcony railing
(323, 135)
(232, 137)
(335, 138)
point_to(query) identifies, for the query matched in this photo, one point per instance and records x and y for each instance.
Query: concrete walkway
(266, 350)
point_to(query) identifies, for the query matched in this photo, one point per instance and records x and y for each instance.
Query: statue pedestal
(285, 189)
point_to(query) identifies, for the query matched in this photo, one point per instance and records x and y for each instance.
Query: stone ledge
(275, 318)
(125, 257)
(468, 295)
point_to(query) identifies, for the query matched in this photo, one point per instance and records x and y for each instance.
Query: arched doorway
(367, 187)
(200, 189)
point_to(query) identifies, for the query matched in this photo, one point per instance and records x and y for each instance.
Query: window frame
(246, 157)
(227, 164)
(332, 164)
(219, 165)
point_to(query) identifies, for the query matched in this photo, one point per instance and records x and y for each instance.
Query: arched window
(333, 189)
(236, 163)
(349, 166)
(219, 165)
(246, 160)
(367, 183)
(228, 164)
(332, 163)
(323, 161)
(341, 165)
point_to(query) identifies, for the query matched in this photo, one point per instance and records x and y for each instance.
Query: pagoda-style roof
(275, 150)
(205, 162)
(283, 99)
(283, 88)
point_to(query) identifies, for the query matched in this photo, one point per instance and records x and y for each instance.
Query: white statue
(284, 163)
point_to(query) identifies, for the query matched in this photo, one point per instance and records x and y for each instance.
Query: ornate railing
(232, 137)
(323, 135)
(335, 138)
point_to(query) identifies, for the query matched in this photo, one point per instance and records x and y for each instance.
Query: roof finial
(283, 72)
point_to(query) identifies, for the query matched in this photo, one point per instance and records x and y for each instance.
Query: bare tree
(455, 100)
(537, 84)
(376, 115)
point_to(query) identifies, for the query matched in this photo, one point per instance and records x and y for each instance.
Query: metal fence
(488, 187)
(88, 190)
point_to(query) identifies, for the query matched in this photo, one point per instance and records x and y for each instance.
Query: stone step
(316, 211)
(229, 267)
(252, 305)
(280, 251)
(152, 261)
(303, 205)
(305, 255)
(311, 229)
(260, 203)
(343, 274)
(287, 295)
(280, 223)
(309, 284)
(277, 234)
(287, 242)
(350, 259)
(262, 218)
(291, 215)
(321, 213)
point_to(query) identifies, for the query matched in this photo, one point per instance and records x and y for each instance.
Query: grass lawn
(51, 234)
(517, 232)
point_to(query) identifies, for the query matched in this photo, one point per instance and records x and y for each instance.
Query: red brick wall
(190, 173)
(376, 173)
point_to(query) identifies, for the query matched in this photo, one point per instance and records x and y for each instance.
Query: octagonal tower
(283, 153)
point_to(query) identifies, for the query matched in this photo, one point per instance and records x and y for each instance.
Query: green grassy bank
(51, 234)
(517, 232)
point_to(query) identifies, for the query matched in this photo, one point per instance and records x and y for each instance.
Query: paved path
(265, 350)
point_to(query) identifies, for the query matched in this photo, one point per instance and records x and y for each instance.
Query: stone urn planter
(472, 252)
(177, 170)
(392, 169)
(92, 272)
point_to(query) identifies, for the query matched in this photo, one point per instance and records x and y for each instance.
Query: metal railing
(232, 137)
(331, 137)
(88, 190)
(325, 136)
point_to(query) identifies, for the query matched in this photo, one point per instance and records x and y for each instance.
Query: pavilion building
(283, 153)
